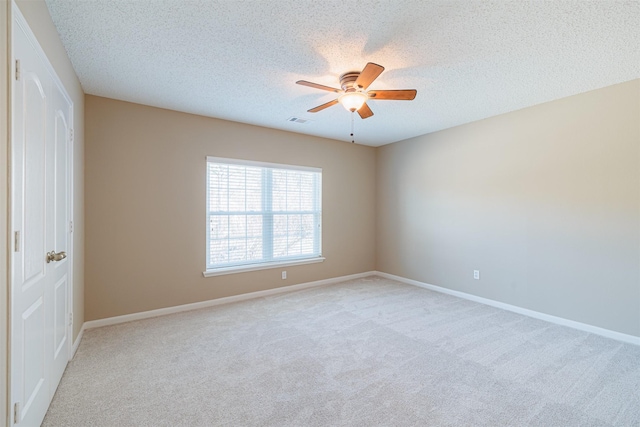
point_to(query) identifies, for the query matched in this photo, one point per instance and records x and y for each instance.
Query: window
(261, 215)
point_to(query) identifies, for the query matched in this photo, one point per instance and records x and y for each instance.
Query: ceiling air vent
(298, 120)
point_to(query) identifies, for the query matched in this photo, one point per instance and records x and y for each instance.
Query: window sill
(264, 266)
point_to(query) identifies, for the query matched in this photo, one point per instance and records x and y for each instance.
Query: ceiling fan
(353, 96)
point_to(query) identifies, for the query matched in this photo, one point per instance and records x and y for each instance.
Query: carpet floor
(365, 352)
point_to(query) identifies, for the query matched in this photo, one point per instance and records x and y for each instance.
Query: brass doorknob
(53, 256)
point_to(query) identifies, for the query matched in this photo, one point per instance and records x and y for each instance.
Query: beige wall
(4, 167)
(37, 15)
(544, 201)
(145, 205)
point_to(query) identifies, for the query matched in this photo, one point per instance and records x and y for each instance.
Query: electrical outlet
(476, 274)
(284, 275)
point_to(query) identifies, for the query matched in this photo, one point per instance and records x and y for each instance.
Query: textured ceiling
(239, 60)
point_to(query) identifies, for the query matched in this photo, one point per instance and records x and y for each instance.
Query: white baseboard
(219, 301)
(76, 343)
(631, 339)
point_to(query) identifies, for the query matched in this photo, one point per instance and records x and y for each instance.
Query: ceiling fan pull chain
(352, 139)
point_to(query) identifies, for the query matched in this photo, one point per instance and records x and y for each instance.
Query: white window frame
(305, 259)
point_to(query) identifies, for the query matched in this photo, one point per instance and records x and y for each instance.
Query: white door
(58, 230)
(41, 146)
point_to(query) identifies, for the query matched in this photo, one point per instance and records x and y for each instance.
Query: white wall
(544, 201)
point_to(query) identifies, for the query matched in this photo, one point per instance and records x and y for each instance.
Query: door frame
(5, 202)
(14, 16)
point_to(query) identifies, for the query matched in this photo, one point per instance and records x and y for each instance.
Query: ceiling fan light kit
(352, 101)
(353, 96)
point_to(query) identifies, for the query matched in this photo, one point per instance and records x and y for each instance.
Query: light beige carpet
(363, 353)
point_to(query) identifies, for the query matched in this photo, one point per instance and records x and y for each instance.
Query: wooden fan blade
(400, 95)
(323, 106)
(368, 75)
(365, 111)
(317, 86)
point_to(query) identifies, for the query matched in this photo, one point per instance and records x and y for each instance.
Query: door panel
(33, 206)
(61, 183)
(60, 300)
(58, 184)
(33, 327)
(30, 354)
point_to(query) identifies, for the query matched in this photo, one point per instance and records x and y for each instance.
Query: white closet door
(58, 226)
(41, 138)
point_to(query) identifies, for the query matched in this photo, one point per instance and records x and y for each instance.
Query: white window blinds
(261, 213)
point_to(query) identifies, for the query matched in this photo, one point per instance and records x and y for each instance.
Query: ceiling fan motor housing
(348, 79)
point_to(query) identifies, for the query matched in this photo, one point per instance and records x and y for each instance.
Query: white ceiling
(239, 60)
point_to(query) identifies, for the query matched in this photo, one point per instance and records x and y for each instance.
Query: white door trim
(6, 411)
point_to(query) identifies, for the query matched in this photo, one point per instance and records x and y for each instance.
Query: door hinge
(70, 319)
(17, 69)
(16, 413)
(16, 241)
(70, 226)
(71, 135)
